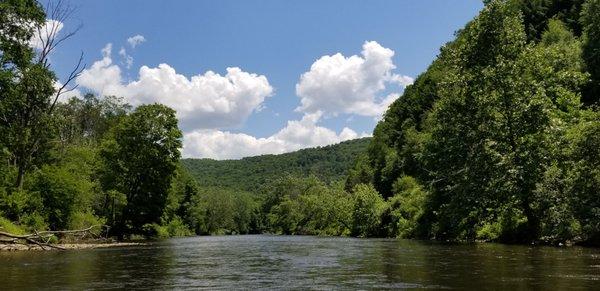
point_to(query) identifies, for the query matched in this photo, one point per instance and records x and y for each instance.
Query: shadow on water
(299, 262)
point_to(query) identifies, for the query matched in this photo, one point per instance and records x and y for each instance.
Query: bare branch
(72, 76)
(58, 12)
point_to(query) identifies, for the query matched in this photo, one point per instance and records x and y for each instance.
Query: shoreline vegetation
(67, 246)
(60, 240)
(497, 141)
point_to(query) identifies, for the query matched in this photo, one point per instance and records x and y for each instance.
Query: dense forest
(501, 133)
(328, 164)
(498, 140)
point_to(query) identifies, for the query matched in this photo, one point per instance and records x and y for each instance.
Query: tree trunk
(20, 176)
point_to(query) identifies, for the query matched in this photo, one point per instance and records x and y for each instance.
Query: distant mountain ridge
(328, 163)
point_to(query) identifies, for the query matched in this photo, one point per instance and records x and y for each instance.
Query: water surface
(300, 262)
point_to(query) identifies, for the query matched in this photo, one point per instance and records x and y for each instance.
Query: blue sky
(258, 107)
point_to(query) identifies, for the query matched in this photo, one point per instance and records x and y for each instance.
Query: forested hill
(328, 163)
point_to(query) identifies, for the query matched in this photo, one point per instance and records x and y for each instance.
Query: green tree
(27, 93)
(591, 49)
(404, 211)
(490, 134)
(367, 210)
(86, 121)
(68, 190)
(393, 151)
(360, 173)
(583, 177)
(537, 13)
(141, 162)
(462, 151)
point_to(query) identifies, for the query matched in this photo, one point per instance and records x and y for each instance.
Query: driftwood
(42, 238)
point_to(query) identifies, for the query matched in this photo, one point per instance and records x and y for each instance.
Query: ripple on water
(302, 262)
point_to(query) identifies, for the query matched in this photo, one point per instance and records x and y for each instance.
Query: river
(301, 262)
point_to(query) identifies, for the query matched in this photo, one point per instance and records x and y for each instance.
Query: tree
(591, 49)
(27, 92)
(25, 86)
(537, 14)
(86, 121)
(402, 216)
(360, 173)
(367, 210)
(141, 162)
(491, 129)
(583, 176)
(463, 152)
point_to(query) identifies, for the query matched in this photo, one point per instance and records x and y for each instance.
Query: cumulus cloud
(338, 84)
(136, 40)
(208, 103)
(208, 100)
(49, 30)
(297, 134)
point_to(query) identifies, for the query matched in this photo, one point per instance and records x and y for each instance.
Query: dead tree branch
(42, 238)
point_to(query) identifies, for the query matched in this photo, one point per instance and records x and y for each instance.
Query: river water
(303, 262)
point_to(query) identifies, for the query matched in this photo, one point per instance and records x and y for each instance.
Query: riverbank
(66, 246)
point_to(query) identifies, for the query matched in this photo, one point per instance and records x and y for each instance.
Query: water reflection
(84, 269)
(302, 262)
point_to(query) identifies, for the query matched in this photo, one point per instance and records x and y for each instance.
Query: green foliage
(360, 173)
(476, 124)
(141, 161)
(397, 137)
(583, 177)
(368, 206)
(154, 230)
(405, 209)
(7, 226)
(51, 175)
(498, 140)
(285, 217)
(17, 203)
(26, 87)
(537, 14)
(591, 48)
(306, 206)
(87, 121)
(176, 227)
(214, 211)
(491, 129)
(83, 220)
(328, 163)
(246, 213)
(555, 205)
(219, 211)
(66, 187)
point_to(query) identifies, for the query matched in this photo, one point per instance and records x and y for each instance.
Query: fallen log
(42, 238)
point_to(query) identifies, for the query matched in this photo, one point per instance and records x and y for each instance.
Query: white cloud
(136, 40)
(337, 84)
(127, 59)
(209, 100)
(296, 135)
(208, 103)
(102, 77)
(49, 30)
